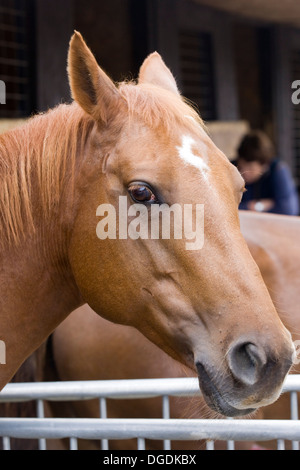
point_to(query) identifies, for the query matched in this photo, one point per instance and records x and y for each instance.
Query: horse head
(202, 301)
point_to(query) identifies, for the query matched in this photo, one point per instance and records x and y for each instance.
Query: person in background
(269, 184)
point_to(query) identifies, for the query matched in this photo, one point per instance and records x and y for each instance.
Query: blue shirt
(277, 184)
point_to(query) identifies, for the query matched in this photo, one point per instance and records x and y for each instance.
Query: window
(16, 57)
(197, 74)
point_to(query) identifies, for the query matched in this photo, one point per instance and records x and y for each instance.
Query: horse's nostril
(245, 361)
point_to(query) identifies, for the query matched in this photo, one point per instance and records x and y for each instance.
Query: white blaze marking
(186, 154)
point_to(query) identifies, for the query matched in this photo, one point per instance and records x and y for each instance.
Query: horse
(87, 347)
(204, 304)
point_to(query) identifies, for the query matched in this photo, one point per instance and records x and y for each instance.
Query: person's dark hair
(256, 146)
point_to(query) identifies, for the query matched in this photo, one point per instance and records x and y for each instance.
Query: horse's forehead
(187, 145)
(194, 153)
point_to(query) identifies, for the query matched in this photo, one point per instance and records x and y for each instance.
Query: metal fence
(165, 429)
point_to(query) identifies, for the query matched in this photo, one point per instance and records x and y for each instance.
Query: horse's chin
(213, 397)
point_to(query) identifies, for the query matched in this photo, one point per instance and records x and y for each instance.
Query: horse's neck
(35, 296)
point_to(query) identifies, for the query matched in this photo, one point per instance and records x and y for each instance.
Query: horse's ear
(93, 90)
(155, 71)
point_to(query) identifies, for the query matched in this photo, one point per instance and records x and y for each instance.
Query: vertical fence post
(294, 414)
(166, 415)
(103, 415)
(41, 414)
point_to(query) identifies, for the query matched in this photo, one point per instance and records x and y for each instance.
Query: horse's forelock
(158, 107)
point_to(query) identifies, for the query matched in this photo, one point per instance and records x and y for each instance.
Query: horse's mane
(47, 145)
(41, 149)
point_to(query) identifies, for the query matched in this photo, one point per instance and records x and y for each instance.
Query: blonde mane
(47, 145)
(41, 150)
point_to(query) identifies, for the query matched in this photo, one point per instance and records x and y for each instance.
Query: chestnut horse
(87, 347)
(207, 308)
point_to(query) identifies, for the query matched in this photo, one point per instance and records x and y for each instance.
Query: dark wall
(115, 31)
(54, 26)
(106, 27)
(253, 68)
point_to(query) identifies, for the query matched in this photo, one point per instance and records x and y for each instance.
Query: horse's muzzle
(252, 378)
(214, 398)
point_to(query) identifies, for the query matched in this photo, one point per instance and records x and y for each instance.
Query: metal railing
(165, 429)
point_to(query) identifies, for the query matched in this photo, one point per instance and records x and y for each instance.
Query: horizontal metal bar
(292, 383)
(142, 388)
(76, 390)
(184, 429)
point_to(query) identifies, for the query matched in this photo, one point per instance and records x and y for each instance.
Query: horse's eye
(141, 193)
